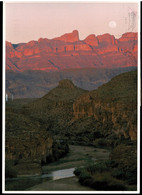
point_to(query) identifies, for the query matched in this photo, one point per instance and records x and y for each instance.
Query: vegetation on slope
(54, 111)
(117, 126)
(111, 110)
(27, 145)
(103, 117)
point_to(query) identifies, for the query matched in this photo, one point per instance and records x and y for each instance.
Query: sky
(31, 21)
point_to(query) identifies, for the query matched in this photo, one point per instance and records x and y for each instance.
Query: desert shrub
(117, 173)
(78, 170)
(103, 142)
(131, 176)
(100, 167)
(111, 163)
(104, 181)
(99, 179)
(103, 175)
(85, 177)
(59, 149)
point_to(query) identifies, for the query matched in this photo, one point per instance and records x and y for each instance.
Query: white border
(3, 98)
(138, 101)
(72, 1)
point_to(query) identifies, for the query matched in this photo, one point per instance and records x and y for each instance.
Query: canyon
(80, 92)
(38, 130)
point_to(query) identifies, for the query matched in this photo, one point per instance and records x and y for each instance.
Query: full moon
(112, 24)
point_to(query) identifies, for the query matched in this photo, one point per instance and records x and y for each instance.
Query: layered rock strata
(68, 51)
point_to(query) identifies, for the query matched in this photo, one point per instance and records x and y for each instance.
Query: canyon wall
(113, 104)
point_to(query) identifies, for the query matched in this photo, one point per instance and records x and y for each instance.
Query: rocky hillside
(103, 117)
(54, 111)
(31, 127)
(112, 108)
(68, 51)
(108, 117)
(97, 117)
(34, 84)
(27, 145)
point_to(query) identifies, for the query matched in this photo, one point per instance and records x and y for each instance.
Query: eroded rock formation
(68, 51)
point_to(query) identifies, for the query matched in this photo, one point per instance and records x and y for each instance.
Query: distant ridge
(35, 83)
(68, 51)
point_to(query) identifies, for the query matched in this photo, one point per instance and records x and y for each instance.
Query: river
(59, 176)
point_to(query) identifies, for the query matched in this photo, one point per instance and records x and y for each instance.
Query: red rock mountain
(68, 51)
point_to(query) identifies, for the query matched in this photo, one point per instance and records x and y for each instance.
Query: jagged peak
(69, 37)
(129, 36)
(91, 40)
(91, 36)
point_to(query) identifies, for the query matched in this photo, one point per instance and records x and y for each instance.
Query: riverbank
(67, 184)
(77, 156)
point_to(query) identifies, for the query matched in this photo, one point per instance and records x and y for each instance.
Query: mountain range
(68, 51)
(36, 83)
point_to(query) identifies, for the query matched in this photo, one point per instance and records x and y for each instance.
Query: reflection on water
(64, 173)
(22, 183)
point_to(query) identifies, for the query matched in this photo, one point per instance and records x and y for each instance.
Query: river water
(21, 183)
(60, 172)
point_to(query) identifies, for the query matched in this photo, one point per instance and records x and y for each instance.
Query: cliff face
(29, 149)
(113, 105)
(68, 51)
(25, 141)
(28, 144)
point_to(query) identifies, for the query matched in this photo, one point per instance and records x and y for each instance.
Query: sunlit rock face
(69, 37)
(68, 51)
(92, 40)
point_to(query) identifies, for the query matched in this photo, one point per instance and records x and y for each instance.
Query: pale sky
(31, 21)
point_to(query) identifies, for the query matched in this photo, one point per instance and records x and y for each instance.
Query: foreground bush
(104, 181)
(105, 175)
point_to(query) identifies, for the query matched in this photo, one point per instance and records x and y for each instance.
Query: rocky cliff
(113, 105)
(68, 51)
(27, 144)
